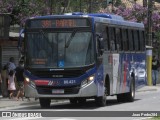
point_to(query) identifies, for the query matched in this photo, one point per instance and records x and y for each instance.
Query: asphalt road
(147, 101)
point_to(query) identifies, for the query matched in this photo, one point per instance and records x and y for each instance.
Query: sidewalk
(149, 88)
(6, 102)
(11, 103)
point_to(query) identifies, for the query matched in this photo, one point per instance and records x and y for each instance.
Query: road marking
(145, 118)
(32, 105)
(26, 118)
(65, 119)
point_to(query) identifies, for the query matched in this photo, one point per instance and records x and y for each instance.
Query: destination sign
(58, 23)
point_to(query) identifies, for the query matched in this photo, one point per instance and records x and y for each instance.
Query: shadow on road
(89, 105)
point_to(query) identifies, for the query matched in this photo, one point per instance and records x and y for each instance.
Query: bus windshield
(61, 49)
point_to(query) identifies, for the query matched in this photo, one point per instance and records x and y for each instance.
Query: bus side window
(141, 40)
(136, 40)
(103, 30)
(144, 39)
(124, 39)
(112, 38)
(127, 39)
(118, 39)
(130, 37)
(105, 37)
(121, 40)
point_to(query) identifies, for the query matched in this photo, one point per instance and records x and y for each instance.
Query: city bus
(80, 56)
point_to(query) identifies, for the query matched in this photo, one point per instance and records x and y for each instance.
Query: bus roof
(79, 14)
(98, 17)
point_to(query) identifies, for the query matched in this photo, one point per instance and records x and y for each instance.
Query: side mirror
(100, 43)
(21, 36)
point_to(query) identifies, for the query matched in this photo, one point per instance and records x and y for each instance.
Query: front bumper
(89, 90)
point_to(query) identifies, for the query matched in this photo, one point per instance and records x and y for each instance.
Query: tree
(137, 14)
(20, 10)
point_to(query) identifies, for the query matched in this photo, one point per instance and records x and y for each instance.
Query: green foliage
(118, 3)
(20, 10)
(154, 118)
(157, 35)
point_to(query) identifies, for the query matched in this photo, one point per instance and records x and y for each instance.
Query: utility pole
(144, 3)
(135, 1)
(112, 6)
(149, 43)
(90, 6)
(51, 3)
(150, 10)
(80, 6)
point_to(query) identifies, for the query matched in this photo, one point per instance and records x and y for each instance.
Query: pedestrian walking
(11, 83)
(155, 68)
(11, 64)
(4, 75)
(20, 80)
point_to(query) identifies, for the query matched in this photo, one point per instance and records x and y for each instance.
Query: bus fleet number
(69, 81)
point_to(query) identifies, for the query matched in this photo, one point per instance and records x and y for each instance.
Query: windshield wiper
(46, 37)
(70, 39)
(44, 34)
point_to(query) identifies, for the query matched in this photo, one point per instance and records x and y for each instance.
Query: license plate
(57, 91)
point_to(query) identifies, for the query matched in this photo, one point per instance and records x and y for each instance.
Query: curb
(148, 88)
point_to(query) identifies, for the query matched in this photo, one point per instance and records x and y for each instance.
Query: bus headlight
(91, 78)
(28, 81)
(87, 81)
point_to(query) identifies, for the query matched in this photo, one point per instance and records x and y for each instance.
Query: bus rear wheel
(44, 102)
(121, 97)
(131, 95)
(127, 97)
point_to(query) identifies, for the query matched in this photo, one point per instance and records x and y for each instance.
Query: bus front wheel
(81, 100)
(101, 101)
(73, 100)
(44, 102)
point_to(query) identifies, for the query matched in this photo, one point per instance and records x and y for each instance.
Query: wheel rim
(132, 91)
(104, 97)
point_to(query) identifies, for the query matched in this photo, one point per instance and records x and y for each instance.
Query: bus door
(113, 59)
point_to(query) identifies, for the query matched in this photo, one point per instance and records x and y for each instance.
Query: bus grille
(57, 74)
(48, 90)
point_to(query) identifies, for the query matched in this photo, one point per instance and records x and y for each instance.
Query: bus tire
(131, 95)
(73, 100)
(81, 100)
(44, 102)
(101, 101)
(121, 97)
(128, 97)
